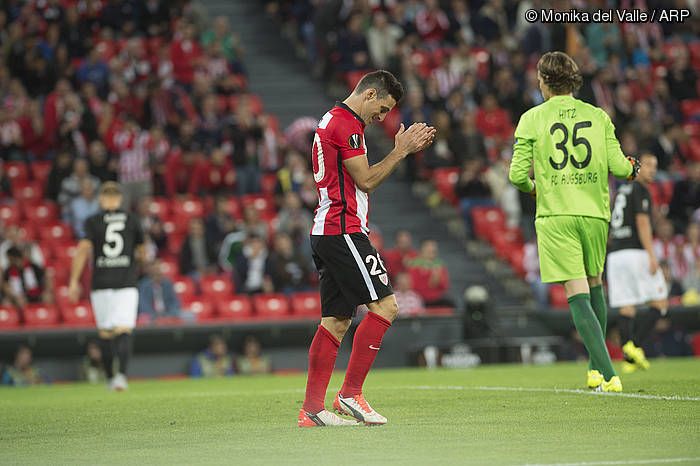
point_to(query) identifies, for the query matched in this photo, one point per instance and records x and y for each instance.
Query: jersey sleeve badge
(355, 141)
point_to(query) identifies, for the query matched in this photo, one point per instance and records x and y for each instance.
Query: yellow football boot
(636, 355)
(594, 379)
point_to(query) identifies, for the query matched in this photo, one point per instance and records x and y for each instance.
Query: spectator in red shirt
(432, 23)
(493, 121)
(403, 251)
(185, 54)
(429, 275)
(221, 176)
(184, 173)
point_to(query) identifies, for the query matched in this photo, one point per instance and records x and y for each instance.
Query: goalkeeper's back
(572, 145)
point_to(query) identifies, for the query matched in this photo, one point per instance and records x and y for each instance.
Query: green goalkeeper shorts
(571, 247)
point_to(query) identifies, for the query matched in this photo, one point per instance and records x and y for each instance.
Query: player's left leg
(106, 344)
(594, 378)
(365, 346)
(593, 235)
(125, 302)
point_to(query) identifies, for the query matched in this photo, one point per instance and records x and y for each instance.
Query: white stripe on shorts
(363, 269)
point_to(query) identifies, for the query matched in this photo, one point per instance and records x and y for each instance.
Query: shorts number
(618, 215)
(114, 241)
(376, 262)
(577, 140)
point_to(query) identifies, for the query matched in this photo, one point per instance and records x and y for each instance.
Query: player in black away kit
(634, 275)
(115, 240)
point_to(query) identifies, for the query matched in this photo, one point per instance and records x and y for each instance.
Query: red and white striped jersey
(343, 207)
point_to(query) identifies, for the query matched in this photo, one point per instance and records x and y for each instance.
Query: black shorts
(352, 273)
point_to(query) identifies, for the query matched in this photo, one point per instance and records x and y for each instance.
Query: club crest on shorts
(384, 279)
(355, 140)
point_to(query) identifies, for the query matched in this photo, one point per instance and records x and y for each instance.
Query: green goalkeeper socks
(600, 308)
(591, 333)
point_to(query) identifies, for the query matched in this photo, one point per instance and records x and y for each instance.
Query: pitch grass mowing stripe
(621, 462)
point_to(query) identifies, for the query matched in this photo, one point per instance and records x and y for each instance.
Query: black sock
(646, 324)
(122, 347)
(106, 348)
(626, 326)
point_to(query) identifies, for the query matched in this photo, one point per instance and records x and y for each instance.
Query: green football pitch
(493, 415)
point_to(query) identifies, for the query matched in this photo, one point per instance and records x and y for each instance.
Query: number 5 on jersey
(114, 241)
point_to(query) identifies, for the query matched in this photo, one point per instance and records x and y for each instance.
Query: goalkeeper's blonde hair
(559, 72)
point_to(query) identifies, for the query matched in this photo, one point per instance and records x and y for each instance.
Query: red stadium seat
(160, 207)
(557, 297)
(40, 171)
(9, 318)
(516, 261)
(17, 172)
(61, 295)
(40, 315)
(169, 267)
(42, 212)
(264, 204)
(63, 252)
(487, 219)
(445, 182)
(233, 206)
(60, 272)
(28, 191)
(307, 304)
(77, 314)
(202, 308)
(28, 231)
(175, 240)
(235, 308)
(184, 287)
(56, 232)
(271, 306)
(185, 210)
(216, 286)
(10, 214)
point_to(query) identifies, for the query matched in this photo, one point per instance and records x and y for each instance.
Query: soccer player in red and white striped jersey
(351, 270)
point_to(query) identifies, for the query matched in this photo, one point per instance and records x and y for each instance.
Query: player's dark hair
(384, 82)
(560, 73)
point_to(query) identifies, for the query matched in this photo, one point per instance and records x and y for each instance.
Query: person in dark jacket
(197, 257)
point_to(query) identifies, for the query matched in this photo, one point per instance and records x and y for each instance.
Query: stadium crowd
(153, 95)
(469, 70)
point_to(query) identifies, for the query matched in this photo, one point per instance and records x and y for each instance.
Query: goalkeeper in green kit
(573, 147)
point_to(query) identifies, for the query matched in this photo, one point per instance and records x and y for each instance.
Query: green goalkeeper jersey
(573, 147)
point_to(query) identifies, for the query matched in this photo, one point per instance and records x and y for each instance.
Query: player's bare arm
(407, 141)
(81, 256)
(645, 237)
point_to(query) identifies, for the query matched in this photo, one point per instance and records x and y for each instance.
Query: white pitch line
(620, 462)
(552, 390)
